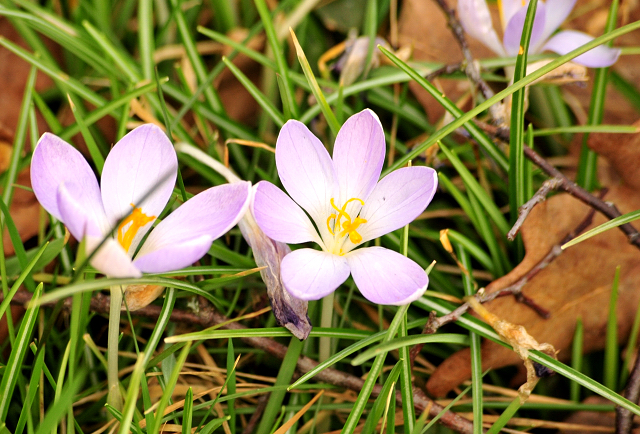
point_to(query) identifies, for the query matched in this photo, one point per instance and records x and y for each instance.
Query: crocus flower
(137, 181)
(476, 20)
(348, 207)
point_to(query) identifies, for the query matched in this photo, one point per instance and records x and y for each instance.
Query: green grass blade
(57, 411)
(260, 98)
(315, 88)
(287, 368)
(281, 62)
(394, 344)
(475, 346)
(18, 351)
(131, 397)
(516, 137)
(386, 393)
(475, 188)
(168, 390)
(613, 223)
(374, 372)
(576, 358)
(588, 164)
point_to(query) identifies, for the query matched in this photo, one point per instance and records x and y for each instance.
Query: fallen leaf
(575, 285)
(423, 25)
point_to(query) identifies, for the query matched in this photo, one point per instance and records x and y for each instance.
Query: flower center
(349, 226)
(137, 219)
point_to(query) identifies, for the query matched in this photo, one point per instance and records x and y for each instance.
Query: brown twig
(540, 196)
(516, 288)
(208, 317)
(624, 418)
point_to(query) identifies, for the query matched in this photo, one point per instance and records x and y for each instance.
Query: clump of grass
(208, 355)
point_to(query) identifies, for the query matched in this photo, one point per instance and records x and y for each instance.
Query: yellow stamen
(347, 227)
(137, 219)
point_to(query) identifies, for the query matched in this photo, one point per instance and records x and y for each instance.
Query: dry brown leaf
(423, 25)
(14, 71)
(577, 284)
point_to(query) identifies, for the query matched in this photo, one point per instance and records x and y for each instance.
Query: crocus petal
(508, 9)
(140, 170)
(186, 234)
(81, 211)
(561, 10)
(513, 31)
(279, 217)
(569, 40)
(476, 21)
(386, 277)
(358, 156)
(398, 199)
(306, 172)
(110, 259)
(311, 274)
(56, 162)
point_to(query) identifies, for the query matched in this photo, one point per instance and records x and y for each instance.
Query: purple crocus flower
(348, 207)
(137, 181)
(476, 20)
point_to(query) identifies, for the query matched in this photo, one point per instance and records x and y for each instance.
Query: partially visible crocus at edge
(137, 181)
(476, 20)
(348, 207)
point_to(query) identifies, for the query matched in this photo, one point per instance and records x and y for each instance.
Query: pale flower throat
(342, 228)
(137, 219)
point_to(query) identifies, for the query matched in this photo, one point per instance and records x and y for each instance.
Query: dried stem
(208, 317)
(624, 418)
(540, 196)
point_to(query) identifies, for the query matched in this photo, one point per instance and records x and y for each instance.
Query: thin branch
(624, 418)
(208, 317)
(516, 288)
(540, 196)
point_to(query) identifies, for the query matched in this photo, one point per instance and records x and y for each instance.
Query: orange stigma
(137, 219)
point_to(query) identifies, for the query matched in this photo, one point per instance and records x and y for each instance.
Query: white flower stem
(326, 320)
(114, 397)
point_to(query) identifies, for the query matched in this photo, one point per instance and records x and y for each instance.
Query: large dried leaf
(576, 285)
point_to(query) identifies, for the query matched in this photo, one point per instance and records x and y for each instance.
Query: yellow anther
(137, 219)
(347, 227)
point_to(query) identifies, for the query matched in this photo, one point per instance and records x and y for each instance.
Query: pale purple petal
(476, 21)
(55, 162)
(279, 217)
(306, 172)
(81, 211)
(358, 156)
(569, 40)
(174, 257)
(111, 259)
(397, 200)
(513, 31)
(560, 10)
(386, 277)
(186, 234)
(141, 169)
(508, 9)
(311, 274)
